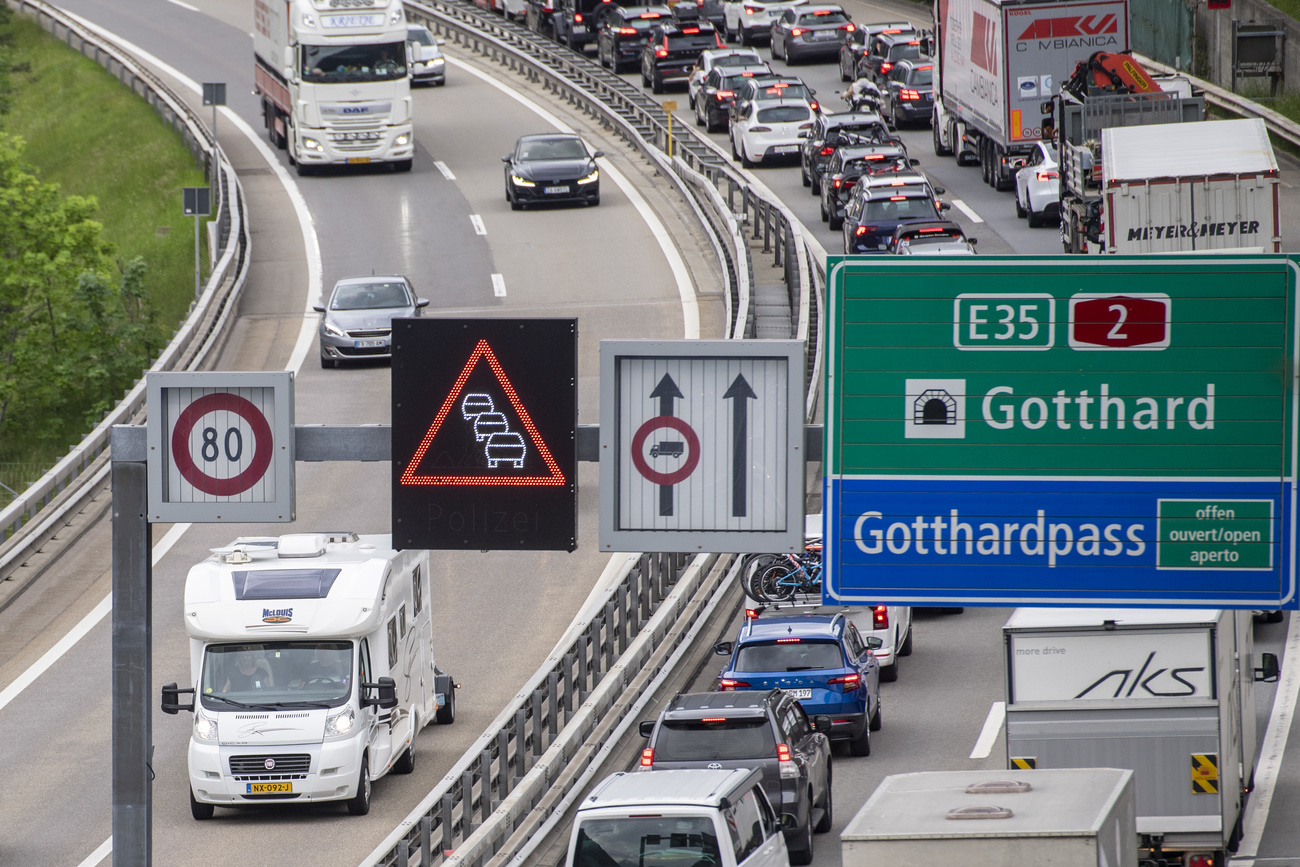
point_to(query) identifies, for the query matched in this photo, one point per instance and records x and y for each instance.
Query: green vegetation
(96, 260)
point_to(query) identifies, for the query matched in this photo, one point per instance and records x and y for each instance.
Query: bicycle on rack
(780, 577)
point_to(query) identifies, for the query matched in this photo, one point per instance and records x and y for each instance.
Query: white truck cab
(311, 659)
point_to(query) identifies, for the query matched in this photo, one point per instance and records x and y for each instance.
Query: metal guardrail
(35, 515)
(1280, 126)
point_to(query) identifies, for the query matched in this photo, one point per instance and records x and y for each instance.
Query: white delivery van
(680, 817)
(311, 659)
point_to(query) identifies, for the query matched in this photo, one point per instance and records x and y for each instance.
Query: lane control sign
(220, 447)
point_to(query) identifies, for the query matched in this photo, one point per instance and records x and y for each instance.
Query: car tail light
(862, 230)
(752, 613)
(661, 52)
(788, 640)
(914, 42)
(898, 198)
(931, 231)
(908, 94)
(783, 753)
(891, 31)
(880, 617)
(690, 30)
(826, 151)
(796, 32)
(726, 684)
(714, 719)
(850, 681)
(648, 757)
(885, 66)
(1048, 176)
(577, 17)
(760, 129)
(926, 67)
(849, 27)
(724, 94)
(814, 105)
(1201, 859)
(717, 37)
(750, 10)
(627, 31)
(785, 761)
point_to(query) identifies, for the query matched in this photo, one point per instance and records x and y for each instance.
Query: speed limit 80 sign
(221, 447)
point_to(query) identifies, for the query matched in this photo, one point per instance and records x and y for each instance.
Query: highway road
(499, 614)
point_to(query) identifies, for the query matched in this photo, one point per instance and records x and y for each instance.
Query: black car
(708, 10)
(577, 22)
(551, 167)
(852, 49)
(806, 32)
(875, 211)
(762, 729)
(670, 53)
(771, 87)
(851, 162)
(909, 91)
(623, 34)
(886, 50)
(829, 132)
(713, 105)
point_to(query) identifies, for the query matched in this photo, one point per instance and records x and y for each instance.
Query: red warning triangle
(483, 352)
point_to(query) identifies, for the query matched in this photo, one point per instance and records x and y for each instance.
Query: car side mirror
(972, 241)
(822, 723)
(506, 158)
(914, 161)
(597, 154)
(874, 642)
(382, 694)
(1266, 674)
(722, 648)
(944, 206)
(171, 694)
(789, 822)
(939, 191)
(647, 727)
(421, 302)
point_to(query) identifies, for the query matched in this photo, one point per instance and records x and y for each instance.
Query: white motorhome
(311, 659)
(334, 81)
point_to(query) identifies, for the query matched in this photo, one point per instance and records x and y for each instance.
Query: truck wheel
(939, 149)
(861, 745)
(360, 804)
(405, 763)
(201, 812)
(447, 713)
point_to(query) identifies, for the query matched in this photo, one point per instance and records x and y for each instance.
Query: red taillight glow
(826, 151)
(1200, 859)
(788, 640)
(750, 10)
(577, 17)
(885, 66)
(724, 94)
(726, 684)
(783, 753)
(892, 30)
(1048, 176)
(880, 614)
(926, 67)
(797, 32)
(627, 31)
(920, 232)
(690, 30)
(909, 95)
(813, 105)
(661, 52)
(751, 613)
(914, 42)
(648, 757)
(714, 719)
(898, 198)
(861, 230)
(849, 27)
(838, 182)
(850, 681)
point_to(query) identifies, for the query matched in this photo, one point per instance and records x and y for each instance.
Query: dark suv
(767, 730)
(909, 91)
(873, 213)
(886, 50)
(829, 132)
(852, 49)
(669, 55)
(623, 34)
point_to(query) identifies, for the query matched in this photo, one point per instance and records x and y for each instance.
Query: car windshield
(870, 128)
(784, 91)
(692, 41)
(789, 656)
(552, 149)
(911, 208)
(930, 240)
(905, 51)
(922, 77)
(817, 18)
(636, 23)
(647, 841)
(420, 35)
(868, 166)
(738, 60)
(697, 741)
(313, 672)
(784, 114)
(328, 64)
(370, 296)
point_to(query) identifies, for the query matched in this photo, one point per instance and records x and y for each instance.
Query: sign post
(1062, 431)
(214, 94)
(196, 202)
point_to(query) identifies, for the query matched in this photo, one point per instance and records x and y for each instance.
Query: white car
(753, 18)
(719, 57)
(770, 128)
(1038, 187)
(428, 66)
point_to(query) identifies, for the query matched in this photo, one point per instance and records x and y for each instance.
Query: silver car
(428, 66)
(357, 323)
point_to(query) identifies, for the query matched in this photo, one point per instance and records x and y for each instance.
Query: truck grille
(362, 135)
(253, 769)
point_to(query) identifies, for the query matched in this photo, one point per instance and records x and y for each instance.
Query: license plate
(800, 693)
(269, 789)
(358, 160)
(785, 149)
(367, 344)
(556, 189)
(825, 35)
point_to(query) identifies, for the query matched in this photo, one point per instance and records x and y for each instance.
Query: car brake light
(862, 230)
(1048, 176)
(577, 17)
(717, 37)
(648, 757)
(726, 684)
(898, 198)
(898, 183)
(914, 42)
(783, 753)
(788, 640)
(650, 15)
(880, 617)
(874, 157)
(926, 67)
(892, 30)
(714, 719)
(849, 27)
(919, 232)
(752, 613)
(661, 52)
(627, 31)
(1201, 859)
(839, 182)
(850, 681)
(885, 66)
(690, 30)
(813, 105)
(785, 761)
(821, 12)
(750, 10)
(760, 129)
(826, 151)
(725, 94)
(796, 32)
(908, 94)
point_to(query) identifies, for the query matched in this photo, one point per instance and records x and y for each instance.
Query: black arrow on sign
(740, 392)
(667, 391)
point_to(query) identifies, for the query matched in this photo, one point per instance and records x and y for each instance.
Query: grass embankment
(92, 136)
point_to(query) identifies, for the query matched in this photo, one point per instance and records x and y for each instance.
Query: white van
(682, 817)
(311, 658)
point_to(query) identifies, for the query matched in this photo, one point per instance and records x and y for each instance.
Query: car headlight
(340, 724)
(520, 182)
(591, 178)
(437, 61)
(205, 727)
(332, 330)
(402, 139)
(312, 145)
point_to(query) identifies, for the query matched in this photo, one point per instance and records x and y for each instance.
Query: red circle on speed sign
(692, 450)
(263, 444)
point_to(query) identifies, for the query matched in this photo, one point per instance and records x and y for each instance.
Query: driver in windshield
(247, 674)
(323, 665)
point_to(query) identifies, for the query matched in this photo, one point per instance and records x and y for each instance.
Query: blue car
(821, 659)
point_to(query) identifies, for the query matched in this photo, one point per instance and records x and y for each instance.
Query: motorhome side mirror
(1269, 671)
(874, 642)
(171, 696)
(382, 694)
(647, 727)
(722, 648)
(822, 723)
(939, 191)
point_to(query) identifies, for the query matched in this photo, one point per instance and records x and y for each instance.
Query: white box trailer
(312, 669)
(1176, 188)
(1065, 818)
(1167, 693)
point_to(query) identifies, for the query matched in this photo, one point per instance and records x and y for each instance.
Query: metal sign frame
(180, 490)
(733, 516)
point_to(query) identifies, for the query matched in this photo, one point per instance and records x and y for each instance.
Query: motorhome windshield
(331, 64)
(277, 672)
(653, 841)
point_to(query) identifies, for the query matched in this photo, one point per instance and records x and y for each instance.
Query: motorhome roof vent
(997, 787)
(284, 583)
(302, 545)
(982, 812)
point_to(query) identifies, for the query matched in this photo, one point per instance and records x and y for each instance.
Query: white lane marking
(184, 5)
(446, 172)
(498, 285)
(965, 209)
(99, 854)
(690, 307)
(989, 734)
(1270, 754)
(477, 222)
